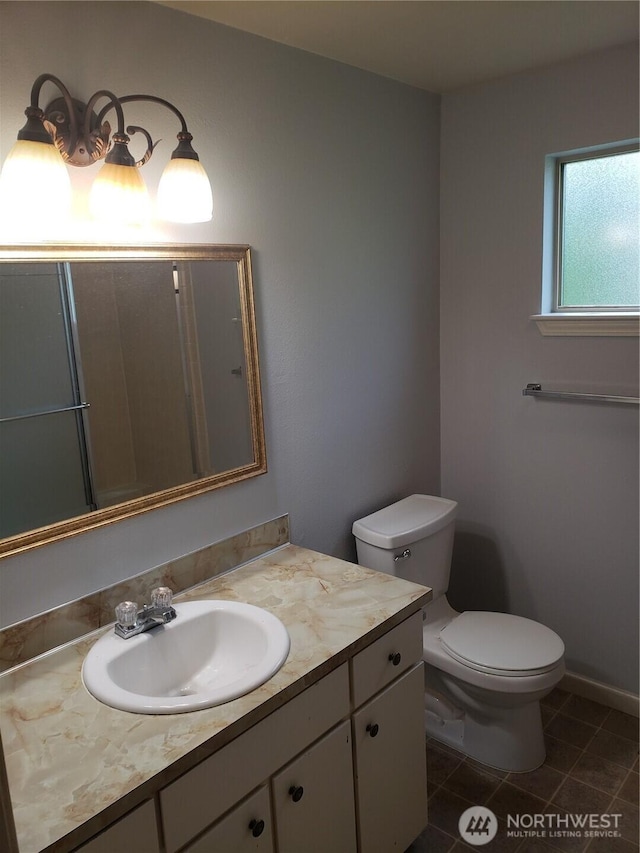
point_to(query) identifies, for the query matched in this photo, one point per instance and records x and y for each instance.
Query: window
(599, 206)
(592, 241)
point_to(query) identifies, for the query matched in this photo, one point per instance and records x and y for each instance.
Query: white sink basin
(214, 651)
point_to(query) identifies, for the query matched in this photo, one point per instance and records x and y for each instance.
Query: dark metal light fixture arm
(129, 98)
(38, 128)
(117, 152)
(39, 82)
(114, 102)
(184, 149)
(132, 128)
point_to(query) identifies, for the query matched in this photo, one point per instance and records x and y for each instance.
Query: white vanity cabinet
(137, 830)
(340, 767)
(317, 783)
(389, 740)
(202, 795)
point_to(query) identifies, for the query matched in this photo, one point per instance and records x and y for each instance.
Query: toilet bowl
(492, 668)
(485, 673)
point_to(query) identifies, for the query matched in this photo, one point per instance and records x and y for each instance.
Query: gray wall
(548, 491)
(331, 175)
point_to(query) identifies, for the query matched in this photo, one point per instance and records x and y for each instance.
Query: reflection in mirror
(128, 379)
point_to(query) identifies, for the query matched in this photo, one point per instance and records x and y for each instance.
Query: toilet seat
(501, 644)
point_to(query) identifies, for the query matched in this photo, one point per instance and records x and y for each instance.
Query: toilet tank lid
(405, 522)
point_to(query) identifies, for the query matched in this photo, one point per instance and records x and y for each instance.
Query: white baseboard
(621, 700)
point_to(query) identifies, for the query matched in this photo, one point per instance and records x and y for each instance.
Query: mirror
(129, 379)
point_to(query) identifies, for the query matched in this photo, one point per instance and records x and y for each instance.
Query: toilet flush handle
(403, 556)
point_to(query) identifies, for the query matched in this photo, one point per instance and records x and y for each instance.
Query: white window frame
(554, 319)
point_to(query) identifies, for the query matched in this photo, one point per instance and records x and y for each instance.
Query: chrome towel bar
(534, 389)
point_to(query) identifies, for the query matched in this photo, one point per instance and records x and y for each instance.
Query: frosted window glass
(600, 219)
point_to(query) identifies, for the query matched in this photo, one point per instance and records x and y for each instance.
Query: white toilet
(485, 672)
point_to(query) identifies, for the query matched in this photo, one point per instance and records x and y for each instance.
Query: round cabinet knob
(373, 729)
(296, 792)
(257, 828)
(395, 658)
(127, 613)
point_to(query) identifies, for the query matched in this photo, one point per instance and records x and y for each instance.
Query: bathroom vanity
(329, 754)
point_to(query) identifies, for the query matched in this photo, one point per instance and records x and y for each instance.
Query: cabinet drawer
(313, 799)
(246, 828)
(202, 795)
(385, 659)
(135, 831)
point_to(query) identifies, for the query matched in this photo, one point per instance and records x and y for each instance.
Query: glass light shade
(34, 183)
(119, 194)
(184, 192)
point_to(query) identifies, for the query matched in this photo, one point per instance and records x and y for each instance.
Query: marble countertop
(75, 765)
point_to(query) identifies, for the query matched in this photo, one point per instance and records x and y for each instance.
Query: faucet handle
(127, 613)
(161, 596)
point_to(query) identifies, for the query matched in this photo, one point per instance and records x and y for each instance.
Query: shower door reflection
(44, 461)
(118, 381)
(157, 397)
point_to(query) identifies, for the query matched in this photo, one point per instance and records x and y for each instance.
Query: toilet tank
(412, 539)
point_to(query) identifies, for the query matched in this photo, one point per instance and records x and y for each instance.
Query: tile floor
(591, 767)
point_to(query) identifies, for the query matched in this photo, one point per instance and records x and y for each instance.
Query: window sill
(588, 325)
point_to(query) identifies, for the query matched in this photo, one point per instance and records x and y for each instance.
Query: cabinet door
(246, 829)
(135, 831)
(391, 772)
(313, 798)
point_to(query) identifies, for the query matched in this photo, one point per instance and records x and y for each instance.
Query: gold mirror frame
(102, 517)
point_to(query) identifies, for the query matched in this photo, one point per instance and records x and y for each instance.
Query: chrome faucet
(131, 621)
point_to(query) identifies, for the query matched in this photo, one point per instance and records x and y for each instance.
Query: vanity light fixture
(34, 181)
